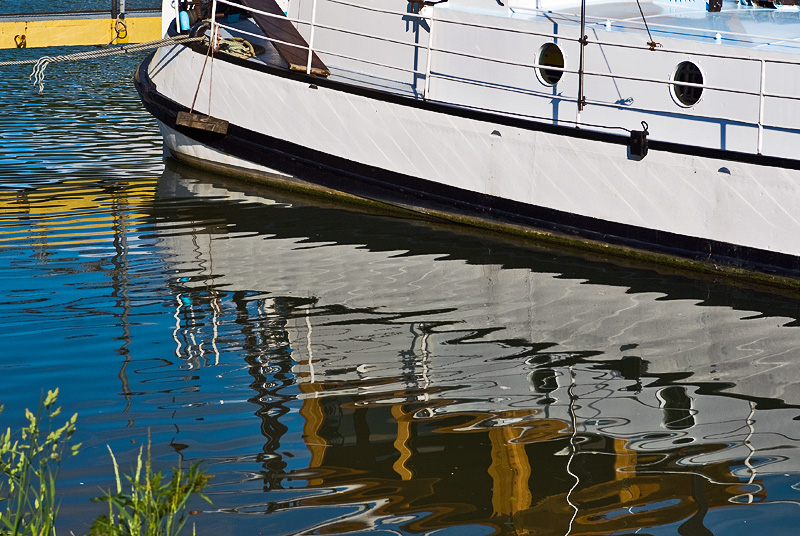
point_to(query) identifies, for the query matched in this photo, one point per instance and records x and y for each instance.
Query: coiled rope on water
(39, 65)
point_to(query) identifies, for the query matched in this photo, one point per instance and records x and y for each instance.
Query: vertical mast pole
(583, 41)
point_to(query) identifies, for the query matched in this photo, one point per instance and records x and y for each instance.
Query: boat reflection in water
(487, 387)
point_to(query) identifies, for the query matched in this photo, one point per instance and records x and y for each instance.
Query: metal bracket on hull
(638, 142)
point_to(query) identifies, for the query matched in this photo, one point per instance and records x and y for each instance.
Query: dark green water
(344, 373)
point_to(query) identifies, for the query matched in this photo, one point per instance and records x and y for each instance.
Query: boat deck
(737, 25)
(747, 26)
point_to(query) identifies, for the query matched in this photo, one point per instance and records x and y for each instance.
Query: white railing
(429, 16)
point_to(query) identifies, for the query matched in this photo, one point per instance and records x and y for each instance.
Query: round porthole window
(550, 56)
(687, 72)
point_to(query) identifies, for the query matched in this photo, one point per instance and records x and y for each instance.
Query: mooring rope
(39, 65)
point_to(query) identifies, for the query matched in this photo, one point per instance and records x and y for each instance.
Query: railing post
(581, 64)
(311, 37)
(761, 91)
(427, 88)
(177, 5)
(213, 23)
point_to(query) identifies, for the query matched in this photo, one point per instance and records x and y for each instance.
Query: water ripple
(342, 372)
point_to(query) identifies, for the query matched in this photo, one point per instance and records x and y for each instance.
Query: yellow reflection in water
(515, 481)
(73, 213)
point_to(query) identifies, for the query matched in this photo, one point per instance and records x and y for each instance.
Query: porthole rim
(539, 75)
(674, 82)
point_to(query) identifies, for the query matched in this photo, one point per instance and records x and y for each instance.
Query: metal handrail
(239, 31)
(431, 49)
(511, 62)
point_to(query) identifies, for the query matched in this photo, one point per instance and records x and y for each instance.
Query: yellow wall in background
(89, 31)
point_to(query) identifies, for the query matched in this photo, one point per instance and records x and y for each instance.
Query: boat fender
(184, 18)
(638, 142)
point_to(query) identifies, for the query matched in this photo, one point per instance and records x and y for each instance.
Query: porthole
(550, 56)
(687, 72)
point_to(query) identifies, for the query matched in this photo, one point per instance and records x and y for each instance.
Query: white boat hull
(486, 168)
